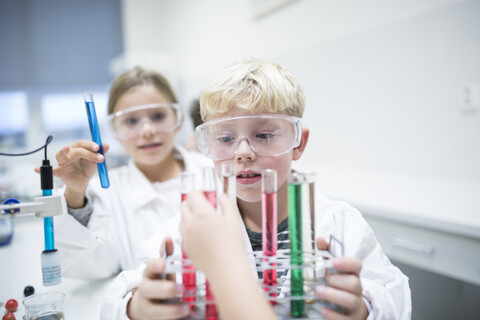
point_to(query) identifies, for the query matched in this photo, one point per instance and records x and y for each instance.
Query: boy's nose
(244, 150)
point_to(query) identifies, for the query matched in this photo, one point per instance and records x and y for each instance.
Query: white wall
(382, 78)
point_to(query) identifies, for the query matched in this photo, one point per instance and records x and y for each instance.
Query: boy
(252, 114)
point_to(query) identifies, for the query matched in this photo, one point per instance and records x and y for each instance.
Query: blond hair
(136, 77)
(257, 86)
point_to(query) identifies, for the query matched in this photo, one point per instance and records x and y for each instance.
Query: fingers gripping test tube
(295, 180)
(187, 184)
(210, 191)
(95, 132)
(269, 230)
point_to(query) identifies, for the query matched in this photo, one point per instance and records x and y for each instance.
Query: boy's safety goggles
(267, 135)
(162, 117)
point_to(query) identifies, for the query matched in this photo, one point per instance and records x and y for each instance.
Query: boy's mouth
(248, 177)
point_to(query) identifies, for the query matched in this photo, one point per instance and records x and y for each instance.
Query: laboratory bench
(21, 266)
(433, 225)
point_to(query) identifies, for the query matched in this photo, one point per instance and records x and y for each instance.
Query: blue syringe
(95, 132)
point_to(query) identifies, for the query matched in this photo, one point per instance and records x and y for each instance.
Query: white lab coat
(130, 211)
(384, 286)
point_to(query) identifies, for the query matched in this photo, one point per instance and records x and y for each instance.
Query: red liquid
(269, 239)
(188, 277)
(211, 312)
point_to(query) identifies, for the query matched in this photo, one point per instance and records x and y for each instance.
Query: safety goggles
(267, 135)
(161, 117)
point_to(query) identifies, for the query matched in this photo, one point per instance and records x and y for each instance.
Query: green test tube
(295, 180)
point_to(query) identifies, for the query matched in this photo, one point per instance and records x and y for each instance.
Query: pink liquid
(211, 312)
(188, 277)
(269, 239)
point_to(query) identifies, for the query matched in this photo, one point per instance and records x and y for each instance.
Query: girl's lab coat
(124, 215)
(385, 288)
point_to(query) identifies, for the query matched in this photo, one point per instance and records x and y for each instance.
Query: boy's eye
(264, 136)
(225, 139)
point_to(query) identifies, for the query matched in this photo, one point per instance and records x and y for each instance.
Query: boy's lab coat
(124, 215)
(384, 286)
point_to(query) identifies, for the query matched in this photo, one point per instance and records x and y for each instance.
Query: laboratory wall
(383, 80)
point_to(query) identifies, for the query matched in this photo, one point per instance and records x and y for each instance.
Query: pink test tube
(187, 184)
(210, 191)
(269, 230)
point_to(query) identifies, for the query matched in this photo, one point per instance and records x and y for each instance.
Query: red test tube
(187, 184)
(210, 191)
(269, 231)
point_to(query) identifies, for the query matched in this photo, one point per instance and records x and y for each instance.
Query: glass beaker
(44, 306)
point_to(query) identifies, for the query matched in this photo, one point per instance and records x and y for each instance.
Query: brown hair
(136, 77)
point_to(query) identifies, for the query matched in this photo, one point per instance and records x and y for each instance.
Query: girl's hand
(213, 241)
(77, 163)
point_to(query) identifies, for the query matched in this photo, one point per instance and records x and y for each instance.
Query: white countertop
(20, 266)
(446, 205)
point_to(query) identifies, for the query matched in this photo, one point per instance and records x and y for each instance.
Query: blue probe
(94, 130)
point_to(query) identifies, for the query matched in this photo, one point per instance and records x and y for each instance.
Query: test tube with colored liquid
(95, 133)
(229, 180)
(210, 191)
(187, 185)
(295, 181)
(269, 230)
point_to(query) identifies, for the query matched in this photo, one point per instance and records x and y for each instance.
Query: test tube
(308, 232)
(187, 184)
(269, 230)
(95, 133)
(229, 180)
(295, 181)
(210, 191)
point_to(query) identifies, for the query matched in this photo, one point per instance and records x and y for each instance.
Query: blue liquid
(95, 132)
(48, 227)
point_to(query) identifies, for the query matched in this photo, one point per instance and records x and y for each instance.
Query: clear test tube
(295, 181)
(229, 180)
(187, 185)
(210, 191)
(308, 232)
(269, 230)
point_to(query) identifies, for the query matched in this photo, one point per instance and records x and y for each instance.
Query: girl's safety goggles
(268, 135)
(162, 117)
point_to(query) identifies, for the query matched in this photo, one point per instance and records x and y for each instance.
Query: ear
(298, 151)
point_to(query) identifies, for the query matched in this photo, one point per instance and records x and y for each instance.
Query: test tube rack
(315, 268)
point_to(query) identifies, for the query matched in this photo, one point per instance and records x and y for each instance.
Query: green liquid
(49, 315)
(297, 307)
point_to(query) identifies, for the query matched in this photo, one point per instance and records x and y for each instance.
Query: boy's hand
(148, 301)
(345, 288)
(77, 163)
(212, 240)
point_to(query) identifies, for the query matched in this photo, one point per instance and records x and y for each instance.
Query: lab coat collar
(143, 191)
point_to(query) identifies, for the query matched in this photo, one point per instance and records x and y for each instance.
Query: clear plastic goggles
(162, 117)
(267, 135)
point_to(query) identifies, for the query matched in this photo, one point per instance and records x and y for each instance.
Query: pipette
(187, 184)
(269, 230)
(210, 191)
(295, 180)
(95, 132)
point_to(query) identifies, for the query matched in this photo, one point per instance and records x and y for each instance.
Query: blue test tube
(95, 132)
